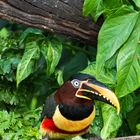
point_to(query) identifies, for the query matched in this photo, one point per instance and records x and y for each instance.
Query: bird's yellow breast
(69, 125)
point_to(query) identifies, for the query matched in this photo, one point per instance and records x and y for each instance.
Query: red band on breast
(48, 124)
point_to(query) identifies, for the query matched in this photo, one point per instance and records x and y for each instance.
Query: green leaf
(128, 64)
(77, 138)
(113, 34)
(6, 120)
(111, 63)
(8, 97)
(52, 53)
(4, 33)
(28, 32)
(90, 69)
(127, 104)
(111, 121)
(88, 7)
(18, 125)
(7, 64)
(137, 2)
(97, 124)
(107, 77)
(138, 129)
(94, 8)
(26, 65)
(113, 4)
(59, 75)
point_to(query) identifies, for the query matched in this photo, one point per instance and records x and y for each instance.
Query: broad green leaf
(111, 63)
(52, 53)
(28, 32)
(128, 64)
(127, 104)
(137, 2)
(113, 4)
(113, 34)
(26, 65)
(88, 7)
(108, 77)
(90, 69)
(111, 122)
(94, 8)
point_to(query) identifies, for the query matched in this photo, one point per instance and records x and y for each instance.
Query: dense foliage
(118, 59)
(33, 64)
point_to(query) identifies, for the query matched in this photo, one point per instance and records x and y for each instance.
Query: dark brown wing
(49, 107)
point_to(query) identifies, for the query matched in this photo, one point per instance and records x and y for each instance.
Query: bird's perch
(119, 138)
(58, 16)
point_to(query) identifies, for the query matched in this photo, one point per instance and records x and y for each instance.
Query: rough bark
(119, 138)
(59, 16)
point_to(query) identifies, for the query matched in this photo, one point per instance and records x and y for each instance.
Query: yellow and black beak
(95, 90)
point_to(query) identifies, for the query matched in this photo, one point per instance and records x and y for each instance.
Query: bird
(70, 110)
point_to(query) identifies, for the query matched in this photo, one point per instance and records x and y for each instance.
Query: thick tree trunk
(59, 16)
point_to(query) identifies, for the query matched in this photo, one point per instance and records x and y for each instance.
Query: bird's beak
(95, 90)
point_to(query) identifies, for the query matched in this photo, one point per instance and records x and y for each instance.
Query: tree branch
(58, 16)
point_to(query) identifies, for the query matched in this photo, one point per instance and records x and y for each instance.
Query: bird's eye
(76, 83)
